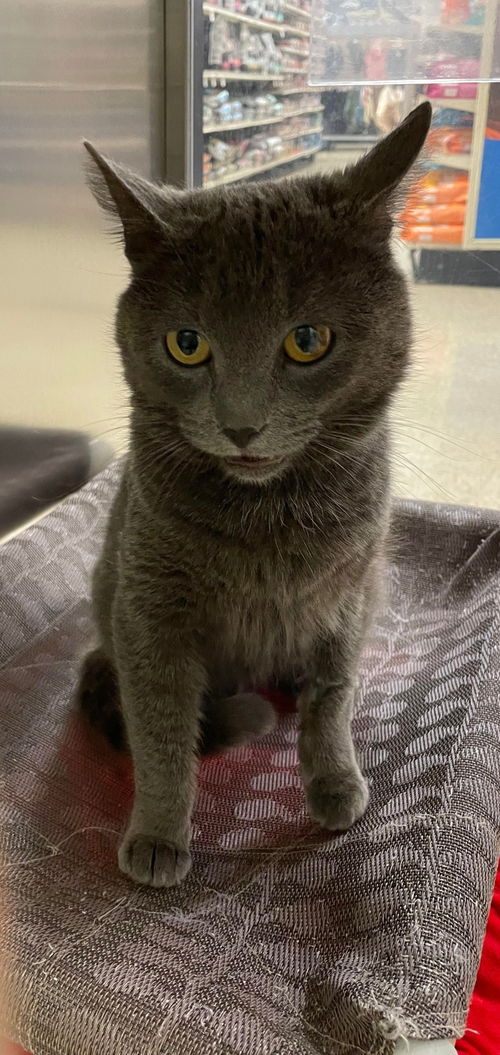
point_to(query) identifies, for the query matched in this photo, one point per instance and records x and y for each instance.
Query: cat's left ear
(136, 202)
(379, 173)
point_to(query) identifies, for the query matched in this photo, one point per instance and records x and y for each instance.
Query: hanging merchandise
(389, 108)
(251, 50)
(222, 41)
(368, 104)
(272, 56)
(333, 61)
(376, 61)
(397, 61)
(217, 41)
(353, 113)
(344, 114)
(234, 47)
(333, 116)
(356, 55)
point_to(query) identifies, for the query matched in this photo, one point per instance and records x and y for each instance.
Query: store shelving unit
(221, 76)
(262, 122)
(344, 140)
(291, 9)
(471, 162)
(451, 161)
(290, 32)
(284, 159)
(464, 30)
(442, 247)
(255, 23)
(297, 51)
(280, 84)
(465, 105)
(289, 136)
(297, 91)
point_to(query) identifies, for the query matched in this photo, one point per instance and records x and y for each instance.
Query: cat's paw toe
(152, 862)
(336, 802)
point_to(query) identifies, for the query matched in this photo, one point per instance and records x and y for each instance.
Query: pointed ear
(136, 202)
(381, 170)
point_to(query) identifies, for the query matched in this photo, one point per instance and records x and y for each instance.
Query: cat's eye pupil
(188, 341)
(307, 339)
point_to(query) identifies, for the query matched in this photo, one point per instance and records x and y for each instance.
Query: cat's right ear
(136, 202)
(378, 174)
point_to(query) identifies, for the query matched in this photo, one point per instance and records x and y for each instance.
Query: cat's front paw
(152, 862)
(336, 802)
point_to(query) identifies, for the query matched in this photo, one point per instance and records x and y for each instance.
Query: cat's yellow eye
(188, 347)
(305, 344)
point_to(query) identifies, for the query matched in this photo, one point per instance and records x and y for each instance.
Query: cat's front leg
(336, 791)
(161, 684)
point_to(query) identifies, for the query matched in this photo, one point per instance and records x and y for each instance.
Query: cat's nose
(241, 437)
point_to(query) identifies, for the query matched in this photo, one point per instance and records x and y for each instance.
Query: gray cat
(263, 334)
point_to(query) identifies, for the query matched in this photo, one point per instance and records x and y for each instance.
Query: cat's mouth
(252, 466)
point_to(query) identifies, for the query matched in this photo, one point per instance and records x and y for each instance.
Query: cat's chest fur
(263, 617)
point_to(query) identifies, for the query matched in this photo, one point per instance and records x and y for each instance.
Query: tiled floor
(447, 416)
(59, 368)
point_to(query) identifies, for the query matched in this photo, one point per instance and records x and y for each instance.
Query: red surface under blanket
(482, 1036)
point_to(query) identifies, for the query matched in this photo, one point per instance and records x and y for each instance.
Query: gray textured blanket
(283, 941)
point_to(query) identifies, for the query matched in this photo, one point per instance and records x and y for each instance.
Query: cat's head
(259, 315)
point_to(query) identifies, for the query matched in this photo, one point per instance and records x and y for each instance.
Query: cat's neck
(329, 488)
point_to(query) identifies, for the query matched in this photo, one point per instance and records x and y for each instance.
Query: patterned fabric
(283, 940)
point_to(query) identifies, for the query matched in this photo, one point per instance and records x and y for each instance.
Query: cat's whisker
(428, 446)
(153, 468)
(398, 425)
(406, 463)
(122, 414)
(334, 454)
(338, 453)
(361, 422)
(174, 459)
(340, 508)
(401, 459)
(112, 430)
(162, 487)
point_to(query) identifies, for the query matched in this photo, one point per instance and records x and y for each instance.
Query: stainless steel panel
(69, 69)
(184, 92)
